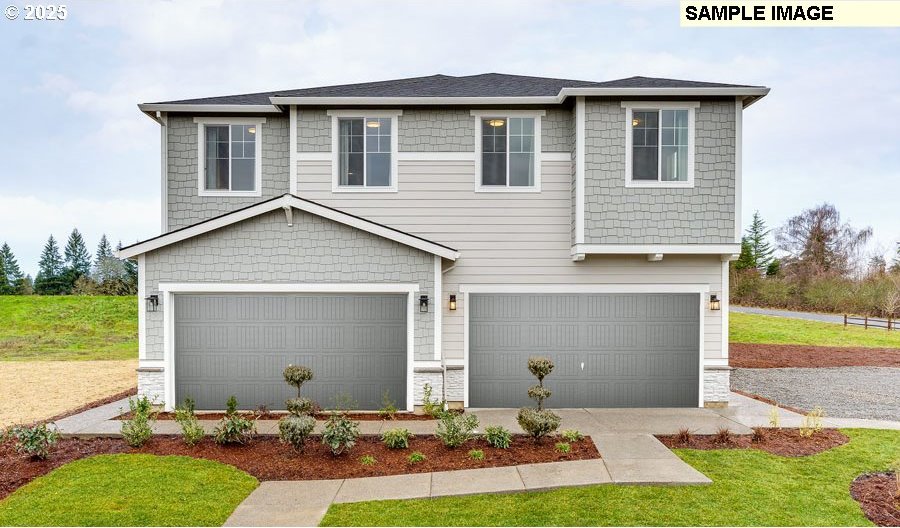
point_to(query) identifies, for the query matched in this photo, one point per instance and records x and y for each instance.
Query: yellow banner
(841, 13)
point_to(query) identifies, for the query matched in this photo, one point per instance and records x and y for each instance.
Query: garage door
(239, 344)
(610, 350)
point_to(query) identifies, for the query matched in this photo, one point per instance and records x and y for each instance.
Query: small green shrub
(297, 375)
(455, 429)
(35, 441)
(388, 410)
(139, 428)
(191, 430)
(300, 406)
(538, 423)
(367, 460)
(340, 433)
(497, 436)
(431, 407)
(396, 438)
(562, 447)
(415, 457)
(540, 368)
(572, 435)
(476, 454)
(295, 430)
(234, 428)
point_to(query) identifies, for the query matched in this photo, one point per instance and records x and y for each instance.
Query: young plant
(396, 438)
(340, 433)
(476, 454)
(367, 460)
(895, 467)
(759, 435)
(388, 410)
(539, 422)
(139, 428)
(724, 435)
(812, 422)
(497, 436)
(191, 430)
(456, 429)
(563, 447)
(572, 435)
(415, 457)
(684, 436)
(296, 376)
(234, 428)
(295, 430)
(35, 441)
(431, 407)
(774, 419)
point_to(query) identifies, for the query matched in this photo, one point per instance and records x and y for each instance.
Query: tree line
(818, 262)
(72, 271)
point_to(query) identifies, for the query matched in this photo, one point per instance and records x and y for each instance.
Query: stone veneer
(716, 385)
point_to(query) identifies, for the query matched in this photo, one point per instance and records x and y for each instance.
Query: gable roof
(288, 201)
(445, 89)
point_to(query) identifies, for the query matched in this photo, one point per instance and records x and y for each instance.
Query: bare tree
(817, 242)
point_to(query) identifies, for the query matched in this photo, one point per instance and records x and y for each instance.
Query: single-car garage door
(610, 350)
(238, 344)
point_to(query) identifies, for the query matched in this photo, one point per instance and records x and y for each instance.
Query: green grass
(130, 490)
(749, 488)
(68, 327)
(752, 328)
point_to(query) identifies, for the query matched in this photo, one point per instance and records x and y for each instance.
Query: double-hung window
(229, 156)
(659, 145)
(508, 151)
(364, 147)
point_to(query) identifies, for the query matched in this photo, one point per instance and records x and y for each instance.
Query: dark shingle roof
(482, 85)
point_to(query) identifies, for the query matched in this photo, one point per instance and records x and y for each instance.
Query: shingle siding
(557, 130)
(703, 214)
(313, 131)
(436, 131)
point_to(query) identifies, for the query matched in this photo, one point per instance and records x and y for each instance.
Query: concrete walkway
(790, 314)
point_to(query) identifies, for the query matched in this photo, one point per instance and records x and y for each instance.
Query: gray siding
(436, 131)
(315, 250)
(313, 131)
(185, 205)
(703, 214)
(558, 130)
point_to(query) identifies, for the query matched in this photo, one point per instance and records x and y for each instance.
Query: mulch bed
(875, 493)
(752, 355)
(784, 442)
(268, 459)
(359, 417)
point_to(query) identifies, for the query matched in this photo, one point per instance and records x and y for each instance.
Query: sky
(77, 152)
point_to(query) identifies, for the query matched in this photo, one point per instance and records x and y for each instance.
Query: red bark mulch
(753, 355)
(784, 442)
(268, 459)
(876, 494)
(359, 417)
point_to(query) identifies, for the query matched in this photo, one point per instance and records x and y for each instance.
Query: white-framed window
(659, 144)
(364, 150)
(229, 156)
(507, 150)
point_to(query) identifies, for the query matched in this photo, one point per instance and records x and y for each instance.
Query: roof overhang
(288, 202)
(152, 109)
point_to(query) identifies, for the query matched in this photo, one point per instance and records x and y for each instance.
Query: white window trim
(201, 153)
(335, 149)
(630, 107)
(506, 114)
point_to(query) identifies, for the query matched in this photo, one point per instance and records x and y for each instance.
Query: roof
(469, 87)
(288, 202)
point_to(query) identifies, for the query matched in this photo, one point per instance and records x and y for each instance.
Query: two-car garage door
(610, 349)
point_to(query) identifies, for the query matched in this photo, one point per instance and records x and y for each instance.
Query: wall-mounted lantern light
(714, 303)
(453, 301)
(152, 303)
(423, 303)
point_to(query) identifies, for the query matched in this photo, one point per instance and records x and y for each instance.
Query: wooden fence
(870, 322)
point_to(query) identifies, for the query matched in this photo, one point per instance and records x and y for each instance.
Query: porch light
(453, 301)
(373, 123)
(423, 303)
(497, 122)
(251, 130)
(714, 303)
(152, 303)
(635, 122)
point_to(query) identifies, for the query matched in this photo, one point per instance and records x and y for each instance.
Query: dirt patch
(876, 495)
(784, 442)
(268, 459)
(277, 415)
(752, 355)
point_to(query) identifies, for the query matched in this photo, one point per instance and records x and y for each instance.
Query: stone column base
(716, 386)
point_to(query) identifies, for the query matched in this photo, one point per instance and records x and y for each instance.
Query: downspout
(443, 356)
(164, 170)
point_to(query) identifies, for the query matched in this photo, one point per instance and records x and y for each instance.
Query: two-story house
(440, 230)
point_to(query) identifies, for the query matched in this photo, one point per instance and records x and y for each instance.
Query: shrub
(35, 441)
(191, 430)
(476, 454)
(340, 433)
(724, 435)
(300, 406)
(497, 436)
(774, 419)
(139, 428)
(415, 457)
(572, 435)
(433, 408)
(297, 375)
(456, 429)
(540, 368)
(538, 423)
(367, 460)
(562, 447)
(295, 430)
(812, 422)
(684, 436)
(396, 438)
(759, 435)
(388, 410)
(234, 428)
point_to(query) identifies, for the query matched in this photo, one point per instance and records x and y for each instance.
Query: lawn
(130, 490)
(752, 328)
(749, 487)
(70, 327)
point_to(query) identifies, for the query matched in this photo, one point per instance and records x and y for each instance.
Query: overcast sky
(77, 152)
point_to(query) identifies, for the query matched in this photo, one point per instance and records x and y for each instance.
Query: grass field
(752, 328)
(68, 327)
(130, 490)
(750, 488)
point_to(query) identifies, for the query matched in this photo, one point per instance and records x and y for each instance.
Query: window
(365, 151)
(509, 151)
(229, 161)
(660, 146)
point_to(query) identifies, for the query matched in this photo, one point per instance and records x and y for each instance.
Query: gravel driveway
(844, 392)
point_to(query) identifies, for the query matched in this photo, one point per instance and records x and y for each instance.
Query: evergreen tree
(774, 268)
(25, 286)
(11, 275)
(131, 272)
(78, 260)
(49, 280)
(745, 260)
(109, 272)
(757, 236)
(895, 264)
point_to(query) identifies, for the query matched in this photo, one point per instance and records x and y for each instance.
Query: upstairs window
(365, 151)
(229, 160)
(660, 146)
(509, 152)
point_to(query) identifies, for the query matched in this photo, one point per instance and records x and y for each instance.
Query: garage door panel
(610, 350)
